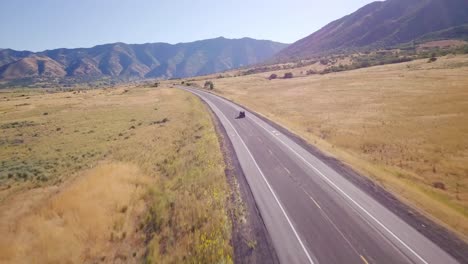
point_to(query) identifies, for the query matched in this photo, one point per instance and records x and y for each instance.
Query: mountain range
(382, 24)
(377, 25)
(132, 61)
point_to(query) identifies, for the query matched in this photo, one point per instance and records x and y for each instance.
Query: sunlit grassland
(404, 125)
(111, 175)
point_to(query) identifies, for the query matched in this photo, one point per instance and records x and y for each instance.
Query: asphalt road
(312, 213)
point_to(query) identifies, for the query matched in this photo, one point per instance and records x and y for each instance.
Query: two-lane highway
(312, 213)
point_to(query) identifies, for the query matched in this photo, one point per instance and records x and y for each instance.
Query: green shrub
(465, 49)
(209, 85)
(324, 61)
(288, 75)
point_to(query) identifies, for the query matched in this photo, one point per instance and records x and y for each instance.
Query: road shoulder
(250, 238)
(441, 236)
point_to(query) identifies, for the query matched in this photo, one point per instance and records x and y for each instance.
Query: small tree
(288, 75)
(364, 64)
(209, 85)
(273, 76)
(310, 72)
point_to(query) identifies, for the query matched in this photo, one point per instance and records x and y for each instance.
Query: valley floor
(403, 125)
(114, 175)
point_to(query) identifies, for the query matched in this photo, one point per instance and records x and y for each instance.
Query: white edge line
(345, 194)
(328, 180)
(268, 184)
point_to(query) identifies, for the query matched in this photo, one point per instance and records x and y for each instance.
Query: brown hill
(83, 67)
(32, 66)
(125, 61)
(381, 24)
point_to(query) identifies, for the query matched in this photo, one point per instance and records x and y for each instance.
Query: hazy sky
(47, 24)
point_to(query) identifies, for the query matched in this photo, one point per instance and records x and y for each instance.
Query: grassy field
(113, 175)
(404, 125)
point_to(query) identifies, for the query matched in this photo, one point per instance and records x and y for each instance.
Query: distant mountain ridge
(382, 24)
(132, 61)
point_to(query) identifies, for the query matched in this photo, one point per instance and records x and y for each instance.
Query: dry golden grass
(86, 221)
(105, 171)
(404, 125)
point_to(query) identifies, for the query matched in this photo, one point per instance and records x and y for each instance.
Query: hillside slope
(131, 61)
(458, 32)
(381, 24)
(32, 66)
